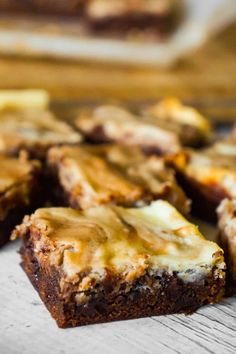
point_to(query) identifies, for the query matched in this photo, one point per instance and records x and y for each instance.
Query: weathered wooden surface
(27, 328)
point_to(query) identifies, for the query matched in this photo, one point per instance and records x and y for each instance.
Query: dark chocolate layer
(205, 198)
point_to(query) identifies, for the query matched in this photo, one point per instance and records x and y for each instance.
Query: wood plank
(26, 326)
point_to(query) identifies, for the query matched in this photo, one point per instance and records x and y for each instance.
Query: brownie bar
(192, 128)
(111, 263)
(227, 225)
(19, 192)
(129, 16)
(93, 175)
(33, 130)
(207, 176)
(115, 124)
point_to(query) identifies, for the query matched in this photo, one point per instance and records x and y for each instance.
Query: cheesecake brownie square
(132, 17)
(191, 126)
(19, 191)
(110, 263)
(33, 130)
(106, 124)
(87, 176)
(207, 176)
(227, 226)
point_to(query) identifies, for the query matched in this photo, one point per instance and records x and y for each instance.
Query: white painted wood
(27, 328)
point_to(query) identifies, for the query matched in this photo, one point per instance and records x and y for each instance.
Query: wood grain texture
(26, 326)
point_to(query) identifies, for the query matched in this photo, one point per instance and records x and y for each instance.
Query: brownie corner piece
(227, 226)
(19, 191)
(111, 263)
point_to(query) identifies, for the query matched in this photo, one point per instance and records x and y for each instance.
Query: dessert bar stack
(106, 201)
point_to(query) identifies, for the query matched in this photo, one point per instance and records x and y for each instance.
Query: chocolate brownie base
(205, 198)
(116, 26)
(150, 295)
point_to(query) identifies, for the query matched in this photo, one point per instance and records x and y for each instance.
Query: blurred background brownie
(207, 176)
(27, 124)
(88, 176)
(132, 16)
(192, 127)
(105, 124)
(162, 128)
(34, 131)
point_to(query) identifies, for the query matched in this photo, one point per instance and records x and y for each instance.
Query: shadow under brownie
(19, 192)
(112, 263)
(87, 176)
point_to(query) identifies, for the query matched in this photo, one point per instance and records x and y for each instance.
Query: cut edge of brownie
(227, 228)
(171, 192)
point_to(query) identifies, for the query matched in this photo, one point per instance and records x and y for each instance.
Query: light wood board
(26, 327)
